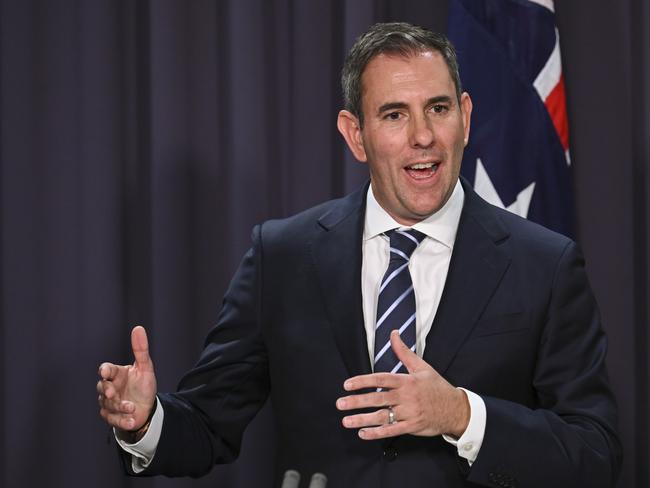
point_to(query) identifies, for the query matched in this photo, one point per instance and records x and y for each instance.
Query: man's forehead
(396, 66)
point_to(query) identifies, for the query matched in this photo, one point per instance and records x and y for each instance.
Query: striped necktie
(396, 303)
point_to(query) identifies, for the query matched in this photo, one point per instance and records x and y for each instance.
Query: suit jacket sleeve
(568, 438)
(205, 420)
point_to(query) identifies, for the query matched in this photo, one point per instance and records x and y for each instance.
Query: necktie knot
(403, 243)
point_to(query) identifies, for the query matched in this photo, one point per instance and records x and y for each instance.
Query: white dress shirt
(428, 266)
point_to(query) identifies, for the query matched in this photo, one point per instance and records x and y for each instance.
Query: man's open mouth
(422, 170)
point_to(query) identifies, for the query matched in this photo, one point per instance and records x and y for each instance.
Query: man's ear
(466, 112)
(350, 129)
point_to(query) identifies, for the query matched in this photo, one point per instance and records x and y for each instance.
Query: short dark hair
(391, 38)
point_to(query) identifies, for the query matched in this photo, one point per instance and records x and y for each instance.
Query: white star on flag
(484, 187)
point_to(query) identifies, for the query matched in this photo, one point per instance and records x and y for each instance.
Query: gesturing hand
(423, 402)
(127, 393)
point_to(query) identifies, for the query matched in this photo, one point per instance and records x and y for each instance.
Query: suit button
(390, 454)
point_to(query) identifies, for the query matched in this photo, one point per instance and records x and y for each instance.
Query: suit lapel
(479, 261)
(337, 257)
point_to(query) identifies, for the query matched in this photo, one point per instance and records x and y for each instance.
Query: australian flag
(518, 154)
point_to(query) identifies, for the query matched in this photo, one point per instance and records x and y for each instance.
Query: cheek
(457, 138)
(384, 154)
(390, 156)
(387, 143)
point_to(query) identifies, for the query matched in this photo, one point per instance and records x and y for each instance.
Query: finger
(108, 390)
(409, 359)
(115, 406)
(127, 407)
(378, 417)
(121, 421)
(366, 400)
(102, 386)
(375, 380)
(140, 346)
(108, 371)
(385, 430)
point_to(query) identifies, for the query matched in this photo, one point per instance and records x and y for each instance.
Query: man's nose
(421, 132)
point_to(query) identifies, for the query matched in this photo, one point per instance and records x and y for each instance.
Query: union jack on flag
(518, 154)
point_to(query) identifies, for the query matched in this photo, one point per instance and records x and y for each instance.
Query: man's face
(414, 133)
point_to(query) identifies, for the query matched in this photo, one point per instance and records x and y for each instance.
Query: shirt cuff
(469, 444)
(143, 451)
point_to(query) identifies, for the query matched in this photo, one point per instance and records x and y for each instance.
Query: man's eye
(439, 108)
(393, 116)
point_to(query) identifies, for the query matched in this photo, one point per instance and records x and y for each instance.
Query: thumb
(140, 346)
(409, 359)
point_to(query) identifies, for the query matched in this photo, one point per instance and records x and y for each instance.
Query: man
(495, 376)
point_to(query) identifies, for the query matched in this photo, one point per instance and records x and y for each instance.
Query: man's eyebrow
(400, 105)
(391, 106)
(439, 99)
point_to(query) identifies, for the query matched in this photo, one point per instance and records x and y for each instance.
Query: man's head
(393, 38)
(408, 119)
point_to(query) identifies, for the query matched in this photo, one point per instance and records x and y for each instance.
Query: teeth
(421, 166)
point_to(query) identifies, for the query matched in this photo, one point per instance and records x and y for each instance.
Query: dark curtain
(141, 140)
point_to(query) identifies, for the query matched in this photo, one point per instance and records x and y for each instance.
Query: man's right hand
(127, 394)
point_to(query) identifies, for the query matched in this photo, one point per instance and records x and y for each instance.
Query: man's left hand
(423, 402)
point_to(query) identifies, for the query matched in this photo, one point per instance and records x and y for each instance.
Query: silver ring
(391, 416)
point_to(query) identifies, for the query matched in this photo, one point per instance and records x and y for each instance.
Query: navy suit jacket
(517, 324)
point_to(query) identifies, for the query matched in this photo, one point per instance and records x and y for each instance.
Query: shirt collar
(440, 226)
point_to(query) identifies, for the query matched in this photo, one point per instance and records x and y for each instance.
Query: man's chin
(415, 215)
(421, 212)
